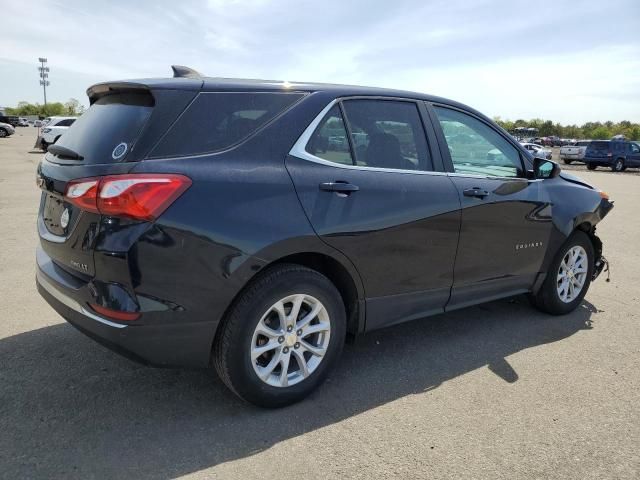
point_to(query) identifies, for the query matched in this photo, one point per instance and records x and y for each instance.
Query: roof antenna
(180, 71)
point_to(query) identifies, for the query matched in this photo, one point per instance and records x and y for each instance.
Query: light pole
(44, 77)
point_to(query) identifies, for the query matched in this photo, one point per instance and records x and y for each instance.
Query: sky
(568, 61)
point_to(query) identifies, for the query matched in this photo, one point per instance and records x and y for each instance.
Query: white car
(569, 153)
(53, 129)
(6, 130)
(538, 150)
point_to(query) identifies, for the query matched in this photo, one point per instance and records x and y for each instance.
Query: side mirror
(543, 168)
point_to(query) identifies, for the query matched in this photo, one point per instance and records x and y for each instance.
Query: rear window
(106, 132)
(599, 146)
(216, 121)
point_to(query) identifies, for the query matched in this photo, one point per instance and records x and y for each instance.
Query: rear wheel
(567, 161)
(568, 278)
(618, 165)
(591, 166)
(44, 145)
(282, 337)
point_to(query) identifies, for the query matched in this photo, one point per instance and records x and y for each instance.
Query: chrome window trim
(299, 149)
(70, 302)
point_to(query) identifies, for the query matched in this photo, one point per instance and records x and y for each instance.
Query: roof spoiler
(180, 71)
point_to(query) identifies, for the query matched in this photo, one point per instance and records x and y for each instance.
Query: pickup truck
(570, 153)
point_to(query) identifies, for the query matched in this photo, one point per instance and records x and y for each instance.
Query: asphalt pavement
(497, 391)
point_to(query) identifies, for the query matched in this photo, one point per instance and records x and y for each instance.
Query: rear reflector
(115, 314)
(141, 196)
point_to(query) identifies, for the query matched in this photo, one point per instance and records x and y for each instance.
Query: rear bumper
(600, 161)
(168, 344)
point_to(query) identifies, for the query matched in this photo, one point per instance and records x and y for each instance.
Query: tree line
(589, 130)
(70, 108)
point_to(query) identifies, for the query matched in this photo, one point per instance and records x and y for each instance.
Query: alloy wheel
(290, 340)
(572, 274)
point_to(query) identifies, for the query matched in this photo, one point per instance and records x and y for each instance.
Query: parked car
(10, 119)
(23, 122)
(576, 151)
(615, 154)
(538, 150)
(6, 130)
(54, 128)
(194, 222)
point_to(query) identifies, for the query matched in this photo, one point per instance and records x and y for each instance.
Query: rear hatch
(119, 128)
(598, 149)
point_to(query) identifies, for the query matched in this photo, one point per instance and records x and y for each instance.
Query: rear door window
(329, 141)
(387, 134)
(219, 120)
(106, 132)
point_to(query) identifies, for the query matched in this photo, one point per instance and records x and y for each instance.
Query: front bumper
(167, 344)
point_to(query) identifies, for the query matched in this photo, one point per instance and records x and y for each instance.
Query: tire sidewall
(244, 378)
(618, 166)
(576, 239)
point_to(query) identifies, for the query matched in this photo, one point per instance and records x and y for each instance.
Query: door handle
(339, 186)
(475, 192)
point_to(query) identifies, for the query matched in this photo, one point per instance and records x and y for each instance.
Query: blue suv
(615, 154)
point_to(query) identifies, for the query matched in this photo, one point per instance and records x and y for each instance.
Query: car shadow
(71, 408)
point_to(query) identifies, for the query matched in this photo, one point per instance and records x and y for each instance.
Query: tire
(3, 133)
(549, 299)
(591, 166)
(567, 161)
(238, 337)
(618, 165)
(44, 145)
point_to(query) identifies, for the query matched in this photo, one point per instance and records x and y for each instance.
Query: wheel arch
(344, 277)
(339, 275)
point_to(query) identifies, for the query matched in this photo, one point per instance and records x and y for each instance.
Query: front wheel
(282, 337)
(3, 133)
(568, 278)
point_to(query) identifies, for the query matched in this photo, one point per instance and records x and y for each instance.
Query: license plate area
(58, 216)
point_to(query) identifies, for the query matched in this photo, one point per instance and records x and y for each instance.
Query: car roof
(212, 84)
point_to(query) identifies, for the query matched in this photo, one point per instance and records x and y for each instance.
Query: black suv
(615, 154)
(253, 225)
(10, 119)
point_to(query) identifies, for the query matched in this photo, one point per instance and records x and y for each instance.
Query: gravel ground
(498, 391)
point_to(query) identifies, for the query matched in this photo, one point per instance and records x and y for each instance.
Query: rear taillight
(84, 194)
(141, 196)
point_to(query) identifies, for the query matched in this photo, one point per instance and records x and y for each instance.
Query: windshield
(106, 132)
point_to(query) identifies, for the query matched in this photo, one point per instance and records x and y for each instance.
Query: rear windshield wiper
(64, 152)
